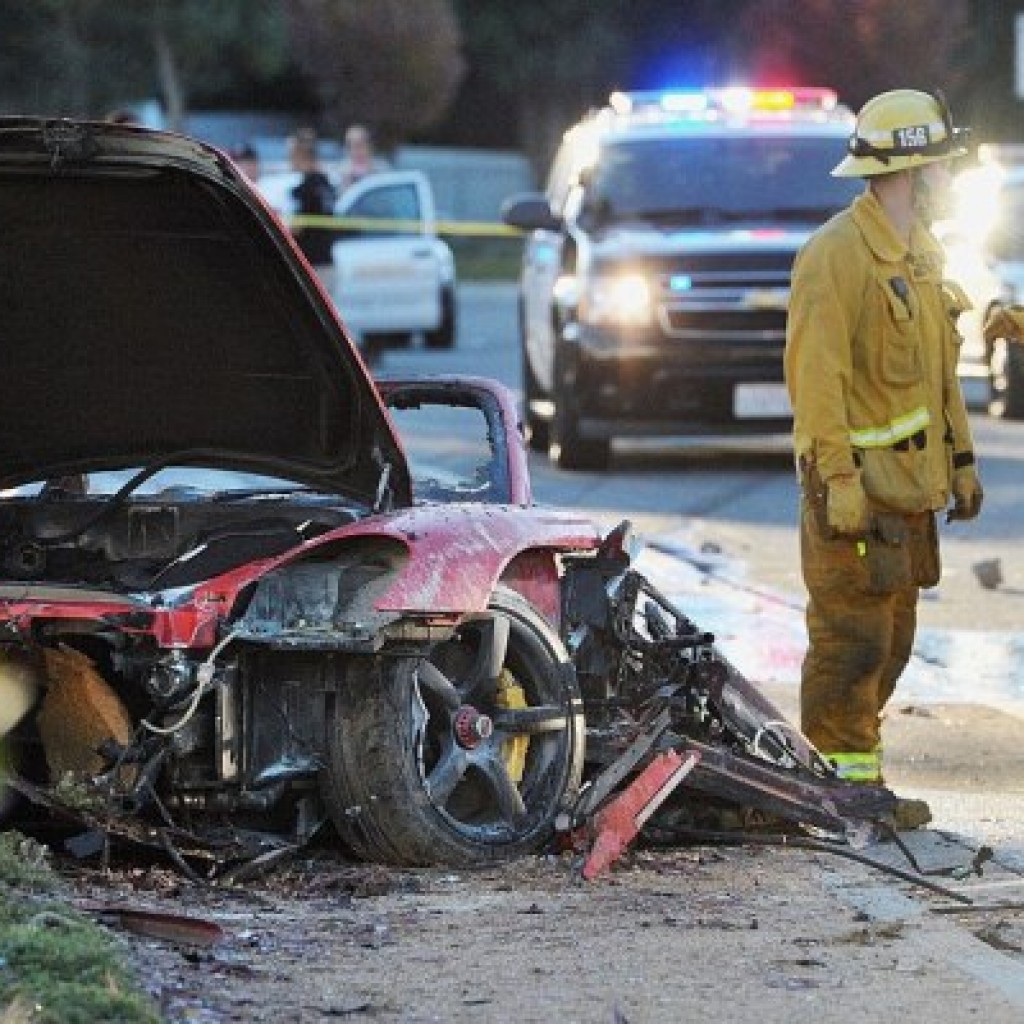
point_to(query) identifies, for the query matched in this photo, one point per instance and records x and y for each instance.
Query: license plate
(761, 401)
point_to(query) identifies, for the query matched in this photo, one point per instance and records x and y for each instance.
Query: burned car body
(233, 607)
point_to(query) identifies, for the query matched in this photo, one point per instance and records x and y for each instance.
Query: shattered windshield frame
(455, 443)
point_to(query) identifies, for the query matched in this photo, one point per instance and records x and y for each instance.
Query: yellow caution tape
(404, 227)
(467, 227)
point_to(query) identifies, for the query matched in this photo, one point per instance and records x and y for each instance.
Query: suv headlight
(617, 299)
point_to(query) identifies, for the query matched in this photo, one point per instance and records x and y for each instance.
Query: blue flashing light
(680, 283)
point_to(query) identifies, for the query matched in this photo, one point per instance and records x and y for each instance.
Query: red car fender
(458, 553)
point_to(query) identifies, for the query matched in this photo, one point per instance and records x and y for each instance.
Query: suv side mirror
(530, 212)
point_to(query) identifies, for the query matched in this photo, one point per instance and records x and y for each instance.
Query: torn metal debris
(177, 928)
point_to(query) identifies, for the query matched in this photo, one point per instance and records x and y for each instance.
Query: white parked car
(393, 277)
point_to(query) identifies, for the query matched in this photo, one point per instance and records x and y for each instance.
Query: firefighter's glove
(967, 494)
(1005, 322)
(847, 505)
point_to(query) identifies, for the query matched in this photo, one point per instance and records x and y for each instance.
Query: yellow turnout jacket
(871, 359)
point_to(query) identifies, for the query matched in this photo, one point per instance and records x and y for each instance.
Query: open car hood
(152, 308)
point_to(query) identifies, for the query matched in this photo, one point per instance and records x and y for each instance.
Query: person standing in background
(360, 158)
(247, 159)
(315, 196)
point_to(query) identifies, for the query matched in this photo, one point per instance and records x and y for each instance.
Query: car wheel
(1006, 380)
(568, 449)
(463, 758)
(444, 336)
(538, 433)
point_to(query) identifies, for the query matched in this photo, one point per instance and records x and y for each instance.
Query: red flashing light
(799, 97)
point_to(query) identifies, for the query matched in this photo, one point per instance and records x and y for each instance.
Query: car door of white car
(388, 276)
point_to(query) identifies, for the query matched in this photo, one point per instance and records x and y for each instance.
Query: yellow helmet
(900, 129)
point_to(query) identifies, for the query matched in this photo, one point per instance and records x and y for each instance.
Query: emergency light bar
(733, 100)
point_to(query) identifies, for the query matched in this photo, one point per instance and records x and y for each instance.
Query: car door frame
(510, 479)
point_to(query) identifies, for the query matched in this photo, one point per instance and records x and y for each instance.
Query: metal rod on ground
(806, 843)
(978, 908)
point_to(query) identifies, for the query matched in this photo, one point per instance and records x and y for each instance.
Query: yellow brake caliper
(511, 697)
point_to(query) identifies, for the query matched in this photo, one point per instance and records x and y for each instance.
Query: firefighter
(1005, 322)
(881, 436)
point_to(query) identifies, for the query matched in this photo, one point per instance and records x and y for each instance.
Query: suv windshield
(704, 180)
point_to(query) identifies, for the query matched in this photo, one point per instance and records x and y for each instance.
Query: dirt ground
(669, 935)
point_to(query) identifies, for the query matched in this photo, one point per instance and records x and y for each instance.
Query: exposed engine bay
(165, 542)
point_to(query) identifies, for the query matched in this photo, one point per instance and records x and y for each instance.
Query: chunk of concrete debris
(989, 573)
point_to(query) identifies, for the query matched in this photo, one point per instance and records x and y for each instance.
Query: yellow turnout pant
(861, 619)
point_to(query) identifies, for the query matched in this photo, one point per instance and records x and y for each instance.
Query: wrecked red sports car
(235, 609)
(223, 595)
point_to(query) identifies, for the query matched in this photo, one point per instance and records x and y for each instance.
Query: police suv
(656, 274)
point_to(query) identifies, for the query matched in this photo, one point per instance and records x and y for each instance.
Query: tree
(194, 41)
(50, 58)
(861, 48)
(392, 64)
(701, 49)
(550, 60)
(81, 57)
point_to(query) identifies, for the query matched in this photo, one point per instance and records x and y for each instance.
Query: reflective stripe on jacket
(900, 429)
(871, 359)
(857, 767)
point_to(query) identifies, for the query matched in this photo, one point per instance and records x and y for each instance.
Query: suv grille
(752, 325)
(730, 297)
(740, 261)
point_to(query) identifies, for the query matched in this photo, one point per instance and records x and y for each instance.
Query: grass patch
(25, 864)
(56, 965)
(485, 258)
